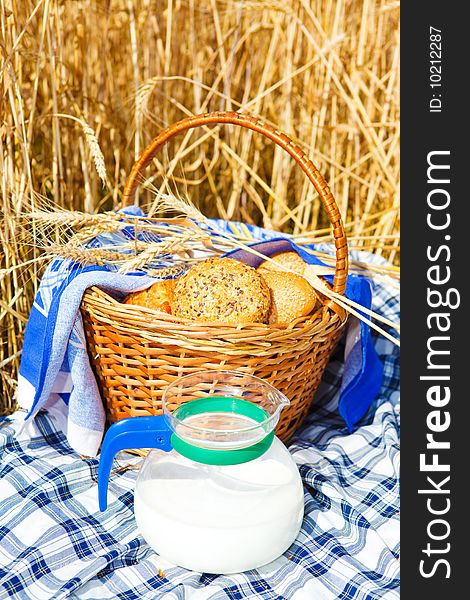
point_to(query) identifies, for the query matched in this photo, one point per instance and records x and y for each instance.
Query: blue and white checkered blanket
(54, 542)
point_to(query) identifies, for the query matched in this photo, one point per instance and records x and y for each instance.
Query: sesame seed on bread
(222, 289)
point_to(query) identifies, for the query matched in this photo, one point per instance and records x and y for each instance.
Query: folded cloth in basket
(55, 371)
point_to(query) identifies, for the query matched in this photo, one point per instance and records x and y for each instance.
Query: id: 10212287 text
(435, 69)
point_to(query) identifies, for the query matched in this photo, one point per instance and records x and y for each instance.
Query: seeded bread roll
(291, 296)
(222, 289)
(158, 296)
(289, 259)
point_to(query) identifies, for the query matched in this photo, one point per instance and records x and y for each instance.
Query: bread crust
(292, 296)
(222, 289)
(159, 296)
(289, 259)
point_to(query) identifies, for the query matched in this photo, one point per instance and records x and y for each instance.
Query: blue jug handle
(136, 432)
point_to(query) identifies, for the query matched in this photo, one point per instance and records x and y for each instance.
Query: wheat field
(86, 84)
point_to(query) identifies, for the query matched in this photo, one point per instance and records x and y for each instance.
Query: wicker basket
(136, 352)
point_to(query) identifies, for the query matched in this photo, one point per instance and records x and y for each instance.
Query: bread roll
(291, 296)
(289, 259)
(222, 289)
(159, 296)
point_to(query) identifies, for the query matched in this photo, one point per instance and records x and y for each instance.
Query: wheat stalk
(86, 256)
(93, 145)
(326, 72)
(73, 219)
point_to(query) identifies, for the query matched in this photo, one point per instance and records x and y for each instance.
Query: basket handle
(282, 140)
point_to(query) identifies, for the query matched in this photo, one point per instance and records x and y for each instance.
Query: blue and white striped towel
(55, 372)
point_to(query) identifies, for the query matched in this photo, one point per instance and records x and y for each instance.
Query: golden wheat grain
(85, 256)
(326, 71)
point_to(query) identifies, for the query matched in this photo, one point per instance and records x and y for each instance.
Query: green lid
(213, 404)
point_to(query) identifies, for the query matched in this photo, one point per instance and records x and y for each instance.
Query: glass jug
(219, 493)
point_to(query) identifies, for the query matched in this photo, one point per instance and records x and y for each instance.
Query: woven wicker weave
(136, 351)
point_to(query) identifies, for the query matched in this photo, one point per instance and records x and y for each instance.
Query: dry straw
(84, 86)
